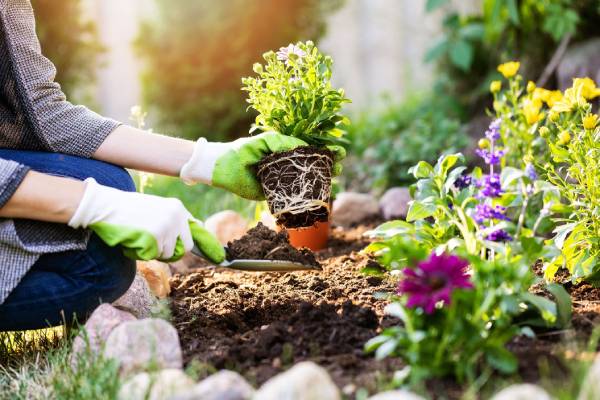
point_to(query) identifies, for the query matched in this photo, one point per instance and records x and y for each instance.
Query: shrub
(196, 52)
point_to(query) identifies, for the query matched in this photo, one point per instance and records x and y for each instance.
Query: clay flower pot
(314, 237)
(297, 185)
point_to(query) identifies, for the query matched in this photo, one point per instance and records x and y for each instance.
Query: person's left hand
(231, 166)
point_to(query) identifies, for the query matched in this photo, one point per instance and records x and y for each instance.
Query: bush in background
(71, 43)
(196, 53)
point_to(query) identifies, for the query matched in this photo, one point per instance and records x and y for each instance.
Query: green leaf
(513, 11)
(422, 170)
(563, 305)
(546, 307)
(472, 31)
(436, 51)
(461, 54)
(420, 210)
(501, 359)
(432, 5)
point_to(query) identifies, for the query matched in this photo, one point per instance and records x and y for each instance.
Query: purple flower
(489, 186)
(499, 235)
(493, 131)
(284, 53)
(491, 157)
(485, 212)
(434, 280)
(463, 181)
(530, 172)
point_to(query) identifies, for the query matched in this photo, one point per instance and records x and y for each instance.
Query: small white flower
(284, 53)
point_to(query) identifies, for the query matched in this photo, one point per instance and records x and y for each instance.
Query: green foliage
(471, 46)
(469, 334)
(71, 43)
(196, 52)
(386, 142)
(292, 94)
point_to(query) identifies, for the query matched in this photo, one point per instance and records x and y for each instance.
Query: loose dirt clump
(297, 185)
(261, 243)
(260, 324)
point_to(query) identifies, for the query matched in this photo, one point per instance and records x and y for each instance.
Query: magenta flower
(434, 280)
(285, 53)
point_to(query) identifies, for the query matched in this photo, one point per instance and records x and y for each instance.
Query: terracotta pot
(314, 237)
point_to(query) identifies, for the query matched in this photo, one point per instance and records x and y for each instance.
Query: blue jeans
(62, 287)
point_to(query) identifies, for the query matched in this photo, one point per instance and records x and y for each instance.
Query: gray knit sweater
(34, 115)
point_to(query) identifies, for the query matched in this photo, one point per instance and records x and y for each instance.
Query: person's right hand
(147, 227)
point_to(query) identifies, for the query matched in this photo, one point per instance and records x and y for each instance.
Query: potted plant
(293, 95)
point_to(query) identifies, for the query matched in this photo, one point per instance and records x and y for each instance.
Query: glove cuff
(200, 167)
(84, 214)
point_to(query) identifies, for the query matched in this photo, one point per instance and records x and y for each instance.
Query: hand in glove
(147, 227)
(231, 166)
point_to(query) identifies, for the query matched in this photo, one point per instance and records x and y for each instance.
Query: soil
(262, 323)
(261, 243)
(299, 173)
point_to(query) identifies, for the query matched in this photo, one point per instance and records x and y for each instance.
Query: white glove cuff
(201, 165)
(84, 214)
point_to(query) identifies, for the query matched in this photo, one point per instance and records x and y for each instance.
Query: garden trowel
(260, 265)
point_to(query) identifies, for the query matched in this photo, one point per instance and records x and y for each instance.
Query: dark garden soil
(262, 323)
(290, 176)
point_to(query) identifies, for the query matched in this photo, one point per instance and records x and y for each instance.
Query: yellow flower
(544, 131)
(541, 94)
(588, 88)
(553, 116)
(531, 110)
(530, 86)
(572, 99)
(553, 97)
(564, 138)
(509, 69)
(495, 86)
(590, 121)
(483, 143)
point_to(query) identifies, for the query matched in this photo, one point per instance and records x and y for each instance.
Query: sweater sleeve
(11, 176)
(61, 126)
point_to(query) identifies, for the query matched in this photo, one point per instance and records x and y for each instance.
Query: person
(71, 223)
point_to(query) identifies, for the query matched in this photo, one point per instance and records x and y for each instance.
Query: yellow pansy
(590, 121)
(509, 69)
(531, 110)
(495, 86)
(572, 99)
(588, 88)
(530, 86)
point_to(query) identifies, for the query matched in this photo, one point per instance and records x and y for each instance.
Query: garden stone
(138, 299)
(396, 395)
(224, 385)
(157, 276)
(591, 386)
(351, 208)
(98, 327)
(304, 381)
(394, 203)
(580, 60)
(226, 226)
(160, 385)
(138, 344)
(522, 392)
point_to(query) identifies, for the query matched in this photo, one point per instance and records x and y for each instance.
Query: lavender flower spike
(493, 131)
(490, 186)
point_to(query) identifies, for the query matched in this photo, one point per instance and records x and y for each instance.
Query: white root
(307, 172)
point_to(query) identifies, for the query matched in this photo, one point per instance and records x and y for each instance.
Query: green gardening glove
(147, 227)
(231, 166)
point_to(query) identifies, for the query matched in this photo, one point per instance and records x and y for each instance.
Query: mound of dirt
(261, 243)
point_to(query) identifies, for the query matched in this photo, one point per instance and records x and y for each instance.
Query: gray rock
(136, 345)
(224, 385)
(138, 299)
(394, 203)
(351, 207)
(304, 381)
(396, 395)
(160, 385)
(579, 61)
(590, 390)
(522, 392)
(98, 327)
(226, 226)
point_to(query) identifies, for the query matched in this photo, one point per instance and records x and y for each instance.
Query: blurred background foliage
(196, 53)
(71, 42)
